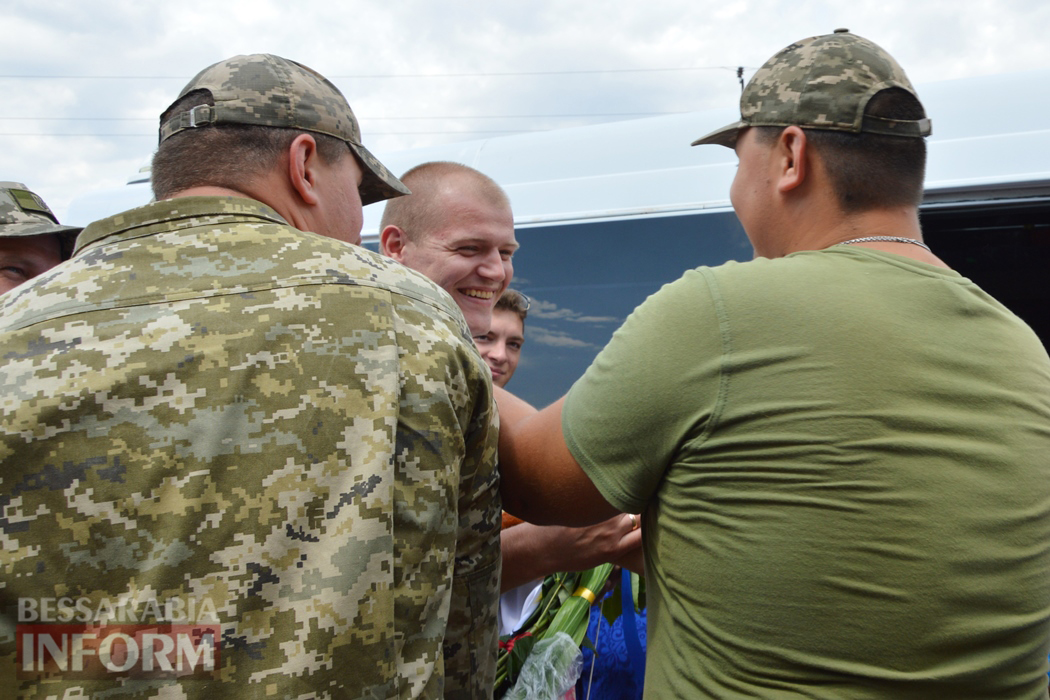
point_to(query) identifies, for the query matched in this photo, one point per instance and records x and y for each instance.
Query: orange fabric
(510, 521)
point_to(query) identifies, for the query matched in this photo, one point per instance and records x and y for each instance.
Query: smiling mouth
(479, 294)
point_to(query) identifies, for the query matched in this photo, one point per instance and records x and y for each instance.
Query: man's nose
(498, 351)
(492, 266)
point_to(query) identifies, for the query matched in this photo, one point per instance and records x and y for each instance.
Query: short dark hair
(224, 155)
(513, 300)
(871, 171)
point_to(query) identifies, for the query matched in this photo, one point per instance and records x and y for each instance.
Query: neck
(902, 222)
(816, 232)
(901, 226)
(209, 191)
(266, 187)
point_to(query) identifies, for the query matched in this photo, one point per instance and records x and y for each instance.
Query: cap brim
(726, 136)
(37, 228)
(378, 182)
(67, 235)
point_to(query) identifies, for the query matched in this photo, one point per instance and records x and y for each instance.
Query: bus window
(1004, 248)
(584, 279)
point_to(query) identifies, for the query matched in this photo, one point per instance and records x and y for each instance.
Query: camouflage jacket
(288, 439)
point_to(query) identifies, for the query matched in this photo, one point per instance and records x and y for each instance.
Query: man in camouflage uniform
(841, 448)
(31, 239)
(292, 436)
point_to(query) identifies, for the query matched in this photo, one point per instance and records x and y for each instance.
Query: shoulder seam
(727, 351)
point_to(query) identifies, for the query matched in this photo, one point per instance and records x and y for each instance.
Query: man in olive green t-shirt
(842, 457)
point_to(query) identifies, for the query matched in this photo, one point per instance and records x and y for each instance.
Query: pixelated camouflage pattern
(823, 82)
(206, 403)
(24, 213)
(267, 90)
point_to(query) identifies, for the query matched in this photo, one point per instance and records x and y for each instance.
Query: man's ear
(792, 152)
(303, 163)
(392, 242)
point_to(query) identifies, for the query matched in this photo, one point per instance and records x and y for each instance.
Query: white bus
(607, 214)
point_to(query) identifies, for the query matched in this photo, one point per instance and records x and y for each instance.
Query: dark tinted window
(1004, 248)
(584, 279)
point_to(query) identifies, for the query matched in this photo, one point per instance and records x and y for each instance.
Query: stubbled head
(457, 229)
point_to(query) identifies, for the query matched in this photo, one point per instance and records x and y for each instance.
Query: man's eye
(516, 346)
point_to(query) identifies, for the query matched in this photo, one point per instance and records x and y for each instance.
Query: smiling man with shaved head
(457, 229)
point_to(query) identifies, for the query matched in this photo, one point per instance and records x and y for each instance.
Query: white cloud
(147, 51)
(551, 311)
(558, 339)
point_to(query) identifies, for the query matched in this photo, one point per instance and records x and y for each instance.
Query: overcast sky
(84, 82)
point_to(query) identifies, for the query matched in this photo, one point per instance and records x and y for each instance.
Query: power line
(459, 116)
(491, 74)
(370, 134)
(538, 72)
(80, 119)
(41, 133)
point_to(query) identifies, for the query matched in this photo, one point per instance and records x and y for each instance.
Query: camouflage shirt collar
(173, 214)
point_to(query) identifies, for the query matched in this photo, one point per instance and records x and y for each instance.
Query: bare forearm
(522, 556)
(531, 551)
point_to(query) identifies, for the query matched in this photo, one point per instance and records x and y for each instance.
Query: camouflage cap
(24, 213)
(267, 90)
(824, 82)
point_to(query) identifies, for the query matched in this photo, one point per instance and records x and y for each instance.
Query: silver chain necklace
(889, 239)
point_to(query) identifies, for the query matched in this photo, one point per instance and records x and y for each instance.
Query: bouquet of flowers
(542, 658)
(564, 609)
